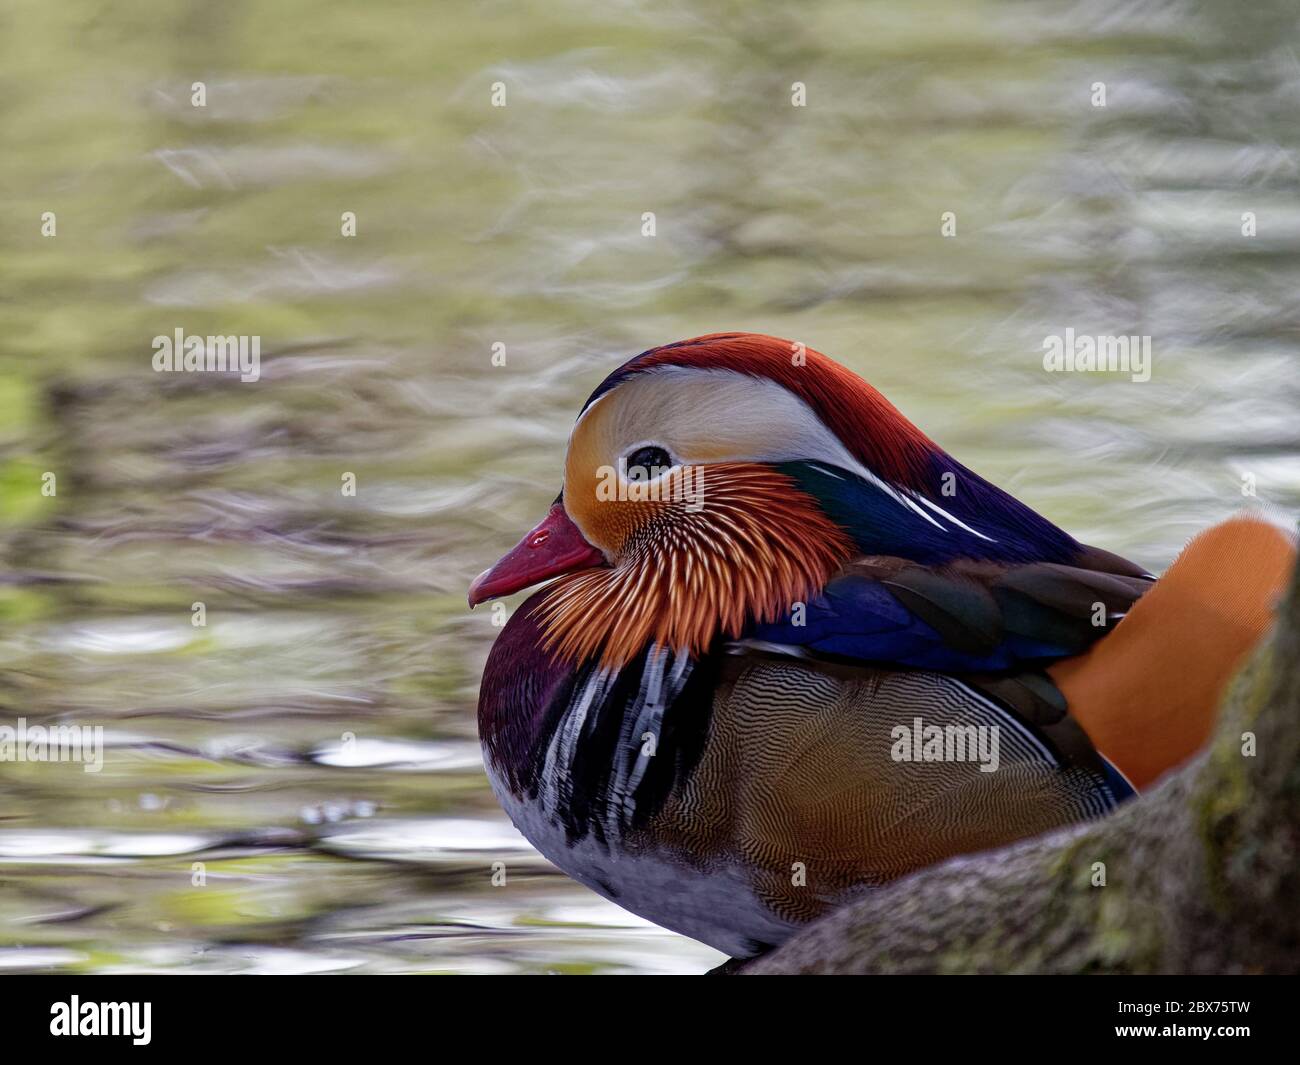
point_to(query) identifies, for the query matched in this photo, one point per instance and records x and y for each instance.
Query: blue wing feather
(858, 618)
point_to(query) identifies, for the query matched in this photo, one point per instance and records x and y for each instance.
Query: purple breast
(521, 683)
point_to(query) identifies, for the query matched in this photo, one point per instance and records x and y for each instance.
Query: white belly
(717, 906)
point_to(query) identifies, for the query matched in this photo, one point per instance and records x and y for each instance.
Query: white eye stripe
(704, 415)
(719, 415)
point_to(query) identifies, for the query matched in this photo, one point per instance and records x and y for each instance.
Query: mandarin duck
(792, 650)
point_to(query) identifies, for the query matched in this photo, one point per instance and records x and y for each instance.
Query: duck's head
(717, 481)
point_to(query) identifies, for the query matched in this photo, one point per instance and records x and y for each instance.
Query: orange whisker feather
(758, 546)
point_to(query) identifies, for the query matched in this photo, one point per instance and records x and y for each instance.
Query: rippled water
(313, 746)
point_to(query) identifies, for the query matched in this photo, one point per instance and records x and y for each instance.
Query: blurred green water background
(313, 746)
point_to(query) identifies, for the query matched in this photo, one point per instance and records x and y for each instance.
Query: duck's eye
(647, 463)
